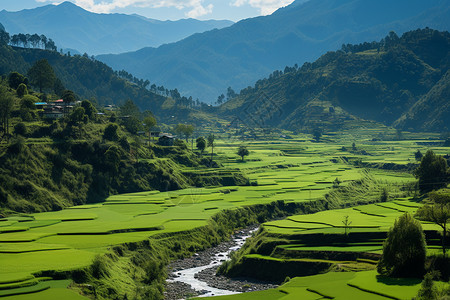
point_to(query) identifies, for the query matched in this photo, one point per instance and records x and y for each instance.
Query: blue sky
(166, 9)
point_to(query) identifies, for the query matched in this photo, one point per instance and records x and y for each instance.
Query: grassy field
(292, 170)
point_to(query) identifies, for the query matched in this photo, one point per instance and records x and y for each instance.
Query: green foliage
(201, 144)
(69, 96)
(132, 124)
(438, 212)
(347, 224)
(41, 74)
(20, 129)
(427, 289)
(404, 249)
(15, 79)
(418, 155)
(6, 106)
(432, 172)
(211, 143)
(129, 109)
(317, 134)
(22, 90)
(242, 151)
(110, 133)
(89, 109)
(77, 115)
(184, 129)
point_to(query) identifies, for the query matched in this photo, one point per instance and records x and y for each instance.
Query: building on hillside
(166, 139)
(55, 109)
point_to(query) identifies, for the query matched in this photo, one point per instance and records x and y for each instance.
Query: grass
(294, 170)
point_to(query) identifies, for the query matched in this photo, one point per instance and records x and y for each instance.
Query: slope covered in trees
(204, 65)
(94, 80)
(375, 81)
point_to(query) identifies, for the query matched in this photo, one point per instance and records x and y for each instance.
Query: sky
(234, 10)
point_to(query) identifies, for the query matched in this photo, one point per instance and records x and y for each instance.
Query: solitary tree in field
(404, 250)
(201, 144)
(438, 212)
(432, 172)
(42, 75)
(211, 143)
(347, 224)
(243, 151)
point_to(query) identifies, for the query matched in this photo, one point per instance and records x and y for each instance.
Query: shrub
(404, 250)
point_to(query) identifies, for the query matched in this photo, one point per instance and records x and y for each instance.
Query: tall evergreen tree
(42, 75)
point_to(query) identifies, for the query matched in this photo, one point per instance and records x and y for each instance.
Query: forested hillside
(378, 81)
(204, 65)
(94, 80)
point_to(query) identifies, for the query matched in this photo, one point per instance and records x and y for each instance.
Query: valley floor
(37, 249)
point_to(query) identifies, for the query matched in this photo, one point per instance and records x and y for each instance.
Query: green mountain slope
(204, 65)
(92, 79)
(375, 81)
(431, 112)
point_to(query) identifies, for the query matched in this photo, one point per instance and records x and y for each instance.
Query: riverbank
(196, 275)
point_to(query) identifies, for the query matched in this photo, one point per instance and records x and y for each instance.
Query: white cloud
(266, 7)
(196, 7)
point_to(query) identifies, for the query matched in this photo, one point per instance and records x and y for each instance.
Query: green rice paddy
(294, 170)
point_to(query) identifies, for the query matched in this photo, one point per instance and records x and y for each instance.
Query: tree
(89, 109)
(347, 224)
(20, 129)
(15, 79)
(211, 143)
(41, 74)
(432, 172)
(243, 151)
(427, 289)
(317, 134)
(69, 96)
(149, 122)
(110, 133)
(130, 109)
(230, 93)
(418, 155)
(201, 144)
(22, 90)
(438, 212)
(77, 115)
(186, 130)
(6, 105)
(220, 99)
(404, 250)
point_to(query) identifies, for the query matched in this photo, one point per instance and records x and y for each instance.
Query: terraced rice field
(291, 170)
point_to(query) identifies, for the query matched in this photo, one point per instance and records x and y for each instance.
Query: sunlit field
(292, 170)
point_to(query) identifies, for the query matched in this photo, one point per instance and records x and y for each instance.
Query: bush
(404, 250)
(20, 129)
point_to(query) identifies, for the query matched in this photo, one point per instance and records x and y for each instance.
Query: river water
(189, 276)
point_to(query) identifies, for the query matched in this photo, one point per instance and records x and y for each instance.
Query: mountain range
(400, 81)
(72, 27)
(204, 65)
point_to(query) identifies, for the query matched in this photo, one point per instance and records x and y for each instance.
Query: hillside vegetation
(94, 80)
(399, 80)
(204, 65)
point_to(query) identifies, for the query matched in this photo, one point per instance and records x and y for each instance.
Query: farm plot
(293, 171)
